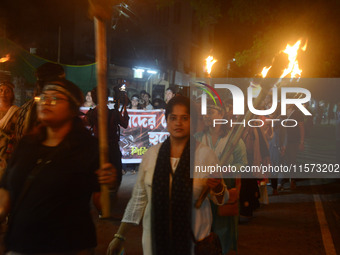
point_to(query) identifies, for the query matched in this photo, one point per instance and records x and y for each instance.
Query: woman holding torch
(50, 178)
(226, 217)
(8, 119)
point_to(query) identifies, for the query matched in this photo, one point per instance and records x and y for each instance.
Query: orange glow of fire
(265, 71)
(209, 62)
(293, 66)
(4, 59)
(305, 46)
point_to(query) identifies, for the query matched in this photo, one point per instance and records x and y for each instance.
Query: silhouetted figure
(116, 118)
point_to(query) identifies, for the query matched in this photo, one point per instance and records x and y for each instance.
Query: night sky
(35, 24)
(28, 20)
(273, 24)
(258, 30)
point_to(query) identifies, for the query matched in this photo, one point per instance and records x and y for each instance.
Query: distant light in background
(228, 66)
(138, 73)
(151, 71)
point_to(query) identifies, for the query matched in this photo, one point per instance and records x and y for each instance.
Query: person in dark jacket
(49, 181)
(117, 117)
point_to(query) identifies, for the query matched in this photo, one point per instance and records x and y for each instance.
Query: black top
(54, 214)
(293, 133)
(114, 122)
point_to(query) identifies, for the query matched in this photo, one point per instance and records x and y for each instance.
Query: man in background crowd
(169, 93)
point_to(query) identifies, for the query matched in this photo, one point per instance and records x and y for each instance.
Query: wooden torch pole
(101, 51)
(235, 136)
(98, 9)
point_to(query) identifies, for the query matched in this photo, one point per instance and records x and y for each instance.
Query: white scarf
(4, 121)
(221, 143)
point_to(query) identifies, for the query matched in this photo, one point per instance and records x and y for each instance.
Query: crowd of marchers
(51, 176)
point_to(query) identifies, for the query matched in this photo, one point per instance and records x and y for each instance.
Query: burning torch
(260, 94)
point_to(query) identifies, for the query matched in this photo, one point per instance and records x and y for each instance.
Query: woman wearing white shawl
(7, 122)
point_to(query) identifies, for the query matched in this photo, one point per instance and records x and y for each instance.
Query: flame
(305, 46)
(4, 59)
(265, 71)
(293, 66)
(209, 62)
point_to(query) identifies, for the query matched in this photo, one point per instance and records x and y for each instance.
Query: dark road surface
(301, 221)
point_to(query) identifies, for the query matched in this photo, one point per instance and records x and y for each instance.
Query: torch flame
(293, 66)
(305, 46)
(209, 62)
(265, 71)
(4, 59)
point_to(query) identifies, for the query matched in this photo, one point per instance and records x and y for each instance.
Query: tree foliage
(206, 11)
(260, 29)
(285, 21)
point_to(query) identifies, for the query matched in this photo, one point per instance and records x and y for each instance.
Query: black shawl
(171, 218)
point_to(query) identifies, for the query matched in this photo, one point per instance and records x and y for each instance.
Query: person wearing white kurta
(140, 202)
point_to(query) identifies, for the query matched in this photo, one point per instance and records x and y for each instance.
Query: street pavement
(303, 221)
(289, 224)
(106, 228)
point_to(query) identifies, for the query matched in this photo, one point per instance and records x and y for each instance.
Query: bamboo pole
(238, 132)
(59, 44)
(101, 59)
(235, 136)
